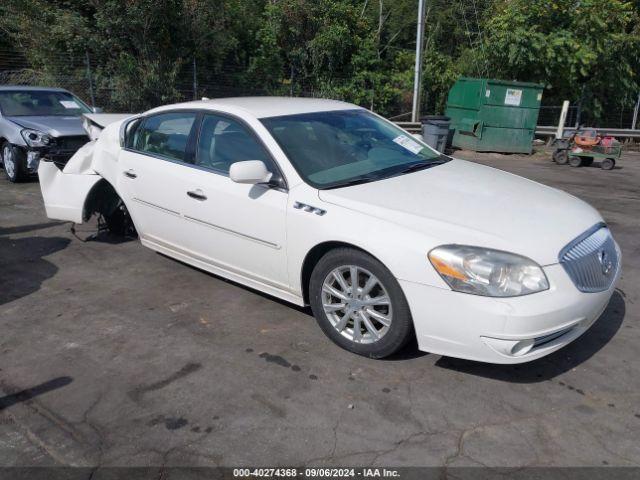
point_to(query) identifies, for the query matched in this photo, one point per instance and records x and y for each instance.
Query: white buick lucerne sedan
(326, 204)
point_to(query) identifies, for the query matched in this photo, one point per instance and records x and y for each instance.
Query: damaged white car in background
(324, 203)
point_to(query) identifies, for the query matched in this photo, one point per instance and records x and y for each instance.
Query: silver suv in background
(36, 122)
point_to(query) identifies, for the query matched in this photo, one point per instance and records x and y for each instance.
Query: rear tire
(575, 161)
(14, 162)
(371, 319)
(608, 164)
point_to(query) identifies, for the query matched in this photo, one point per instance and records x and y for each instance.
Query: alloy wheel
(357, 304)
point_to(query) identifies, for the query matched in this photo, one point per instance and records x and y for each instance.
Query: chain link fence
(194, 81)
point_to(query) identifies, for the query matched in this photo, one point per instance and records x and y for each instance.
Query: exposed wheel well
(315, 254)
(102, 198)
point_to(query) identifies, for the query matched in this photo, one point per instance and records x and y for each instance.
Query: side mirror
(97, 110)
(250, 172)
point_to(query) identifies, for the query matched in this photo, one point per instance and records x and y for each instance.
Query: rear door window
(165, 135)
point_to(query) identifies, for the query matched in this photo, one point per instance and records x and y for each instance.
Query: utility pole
(417, 77)
(563, 119)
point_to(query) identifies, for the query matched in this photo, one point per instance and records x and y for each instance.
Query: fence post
(579, 110)
(291, 82)
(87, 60)
(635, 114)
(195, 80)
(563, 119)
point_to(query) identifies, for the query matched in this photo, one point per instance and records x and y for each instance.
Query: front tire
(561, 157)
(13, 161)
(359, 304)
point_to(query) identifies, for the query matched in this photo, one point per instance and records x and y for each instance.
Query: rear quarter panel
(106, 153)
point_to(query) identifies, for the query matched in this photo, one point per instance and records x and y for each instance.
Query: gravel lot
(111, 354)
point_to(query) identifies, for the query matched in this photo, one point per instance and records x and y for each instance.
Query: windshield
(344, 147)
(31, 103)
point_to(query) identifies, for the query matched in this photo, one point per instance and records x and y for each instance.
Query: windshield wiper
(414, 167)
(409, 168)
(355, 181)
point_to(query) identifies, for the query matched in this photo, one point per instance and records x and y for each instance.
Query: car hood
(466, 203)
(56, 126)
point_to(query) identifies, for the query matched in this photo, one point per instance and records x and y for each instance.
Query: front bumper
(487, 329)
(59, 151)
(33, 160)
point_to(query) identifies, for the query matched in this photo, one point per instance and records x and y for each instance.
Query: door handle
(130, 173)
(197, 194)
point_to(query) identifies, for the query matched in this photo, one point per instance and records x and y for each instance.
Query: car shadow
(28, 228)
(303, 310)
(92, 233)
(409, 352)
(22, 266)
(28, 179)
(557, 363)
(600, 333)
(598, 165)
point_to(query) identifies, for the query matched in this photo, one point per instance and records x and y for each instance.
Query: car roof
(262, 107)
(25, 88)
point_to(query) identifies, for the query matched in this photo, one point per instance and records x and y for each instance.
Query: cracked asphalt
(113, 355)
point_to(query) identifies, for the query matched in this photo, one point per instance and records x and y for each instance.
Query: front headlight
(35, 138)
(492, 273)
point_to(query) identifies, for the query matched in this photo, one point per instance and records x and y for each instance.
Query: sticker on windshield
(69, 104)
(408, 143)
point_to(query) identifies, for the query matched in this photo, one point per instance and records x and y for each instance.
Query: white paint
(253, 235)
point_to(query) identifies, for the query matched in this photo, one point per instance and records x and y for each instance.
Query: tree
(590, 46)
(143, 52)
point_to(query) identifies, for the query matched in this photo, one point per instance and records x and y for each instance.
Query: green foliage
(589, 48)
(142, 51)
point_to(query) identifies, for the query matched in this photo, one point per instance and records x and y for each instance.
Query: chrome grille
(592, 260)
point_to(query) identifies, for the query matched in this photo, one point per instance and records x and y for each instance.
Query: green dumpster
(494, 115)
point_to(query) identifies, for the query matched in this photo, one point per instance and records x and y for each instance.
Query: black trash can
(435, 131)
